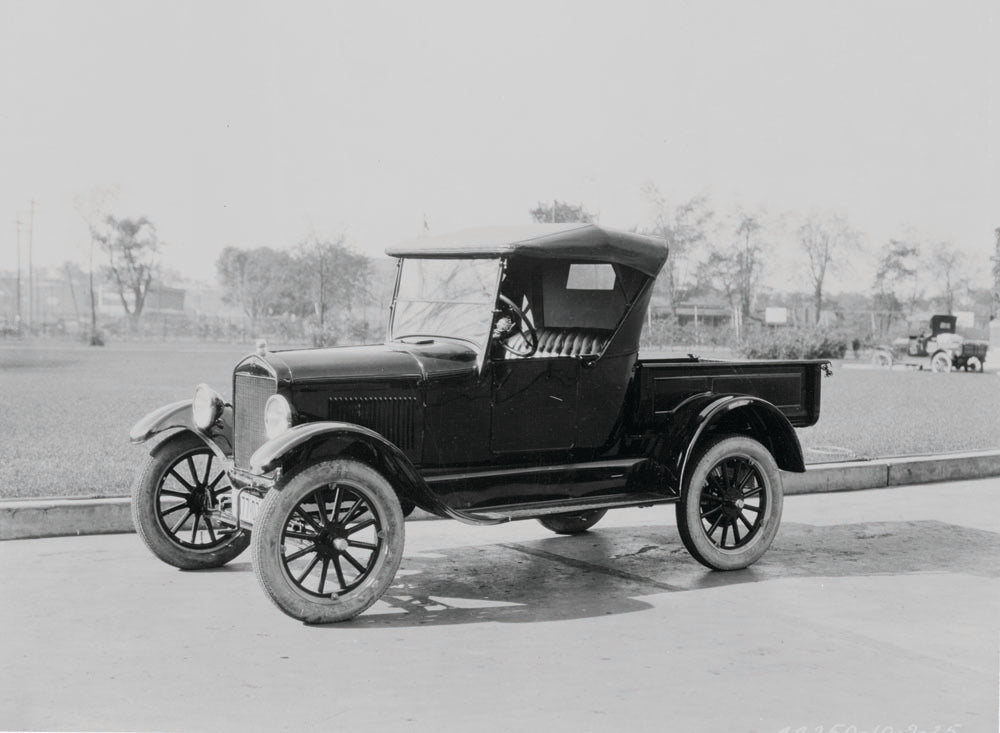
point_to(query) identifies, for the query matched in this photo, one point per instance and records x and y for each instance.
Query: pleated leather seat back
(554, 342)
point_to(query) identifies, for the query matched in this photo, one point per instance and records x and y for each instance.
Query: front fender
(307, 441)
(178, 415)
(702, 415)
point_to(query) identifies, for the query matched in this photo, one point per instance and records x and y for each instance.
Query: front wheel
(327, 544)
(175, 502)
(730, 507)
(941, 362)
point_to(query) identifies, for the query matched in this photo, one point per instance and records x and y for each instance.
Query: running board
(499, 514)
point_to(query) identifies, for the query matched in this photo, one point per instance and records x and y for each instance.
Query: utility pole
(31, 271)
(95, 340)
(17, 223)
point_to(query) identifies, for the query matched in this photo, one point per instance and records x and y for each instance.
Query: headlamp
(277, 416)
(206, 407)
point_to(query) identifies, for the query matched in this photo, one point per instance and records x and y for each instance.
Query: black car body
(509, 386)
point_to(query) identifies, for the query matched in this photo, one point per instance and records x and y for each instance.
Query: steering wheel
(524, 327)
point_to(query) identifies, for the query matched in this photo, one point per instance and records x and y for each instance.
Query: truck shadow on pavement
(610, 571)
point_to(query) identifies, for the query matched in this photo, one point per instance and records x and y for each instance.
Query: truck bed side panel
(793, 386)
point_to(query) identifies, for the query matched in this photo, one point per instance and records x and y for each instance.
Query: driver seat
(553, 342)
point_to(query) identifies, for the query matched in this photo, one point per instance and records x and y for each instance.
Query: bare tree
(825, 240)
(947, 264)
(736, 270)
(683, 227)
(896, 281)
(133, 249)
(720, 271)
(330, 274)
(90, 206)
(750, 261)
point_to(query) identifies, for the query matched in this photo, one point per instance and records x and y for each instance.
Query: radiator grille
(250, 392)
(392, 417)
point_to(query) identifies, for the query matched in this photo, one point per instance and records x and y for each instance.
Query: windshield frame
(481, 349)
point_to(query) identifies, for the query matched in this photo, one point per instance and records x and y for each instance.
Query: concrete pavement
(873, 609)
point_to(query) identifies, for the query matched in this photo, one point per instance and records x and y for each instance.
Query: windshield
(445, 297)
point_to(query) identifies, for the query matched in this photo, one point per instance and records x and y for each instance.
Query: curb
(62, 517)
(882, 473)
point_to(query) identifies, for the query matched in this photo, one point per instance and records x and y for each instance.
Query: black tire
(339, 513)
(734, 485)
(572, 523)
(173, 501)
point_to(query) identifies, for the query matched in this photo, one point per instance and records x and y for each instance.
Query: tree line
(327, 286)
(724, 256)
(309, 283)
(321, 281)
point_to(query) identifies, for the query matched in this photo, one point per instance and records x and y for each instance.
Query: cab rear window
(590, 277)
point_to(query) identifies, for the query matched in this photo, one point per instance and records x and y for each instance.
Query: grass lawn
(66, 411)
(874, 413)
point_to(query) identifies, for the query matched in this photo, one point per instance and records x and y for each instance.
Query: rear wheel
(973, 364)
(572, 523)
(730, 507)
(327, 544)
(175, 502)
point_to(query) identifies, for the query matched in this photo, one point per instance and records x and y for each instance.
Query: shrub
(793, 343)
(348, 330)
(666, 332)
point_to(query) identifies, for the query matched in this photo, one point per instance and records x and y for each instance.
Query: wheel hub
(732, 508)
(331, 542)
(198, 501)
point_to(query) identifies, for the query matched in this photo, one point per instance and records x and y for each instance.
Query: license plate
(245, 506)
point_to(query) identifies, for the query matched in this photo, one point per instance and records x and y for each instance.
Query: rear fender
(305, 444)
(177, 415)
(702, 416)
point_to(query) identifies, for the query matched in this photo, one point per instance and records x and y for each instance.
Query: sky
(262, 123)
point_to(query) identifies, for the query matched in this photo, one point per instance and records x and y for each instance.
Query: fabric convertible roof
(580, 242)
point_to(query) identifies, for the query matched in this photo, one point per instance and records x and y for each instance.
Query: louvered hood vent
(392, 417)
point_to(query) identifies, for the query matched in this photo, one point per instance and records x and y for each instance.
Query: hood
(418, 361)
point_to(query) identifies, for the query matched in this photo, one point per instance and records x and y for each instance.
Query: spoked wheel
(730, 508)
(327, 544)
(572, 523)
(973, 364)
(175, 503)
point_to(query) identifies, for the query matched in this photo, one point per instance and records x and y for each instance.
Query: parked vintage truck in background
(940, 348)
(509, 387)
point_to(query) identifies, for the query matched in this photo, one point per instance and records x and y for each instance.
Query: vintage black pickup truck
(509, 387)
